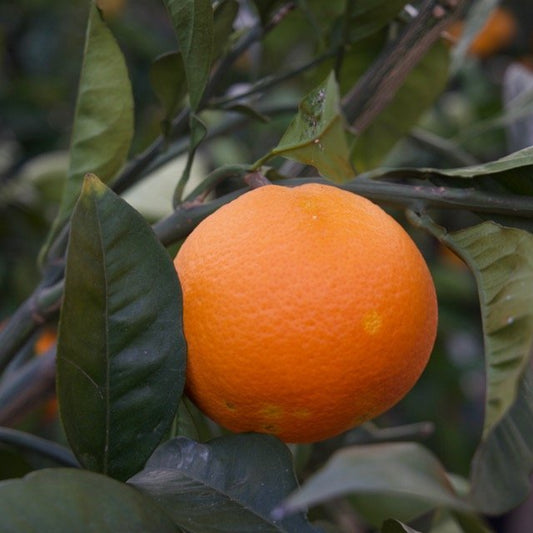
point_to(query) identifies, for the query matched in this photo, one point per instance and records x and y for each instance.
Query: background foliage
(185, 100)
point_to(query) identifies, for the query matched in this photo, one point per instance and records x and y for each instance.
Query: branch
(415, 197)
(381, 81)
(35, 311)
(43, 447)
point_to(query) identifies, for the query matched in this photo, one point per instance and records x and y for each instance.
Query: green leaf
(167, 77)
(103, 121)
(193, 22)
(316, 135)
(224, 16)
(61, 499)
(229, 484)
(512, 172)
(411, 101)
(503, 462)
(120, 358)
(394, 526)
(398, 479)
(502, 262)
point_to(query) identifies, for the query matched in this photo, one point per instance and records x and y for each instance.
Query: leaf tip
(92, 185)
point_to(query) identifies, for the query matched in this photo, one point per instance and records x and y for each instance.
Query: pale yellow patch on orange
(271, 411)
(372, 322)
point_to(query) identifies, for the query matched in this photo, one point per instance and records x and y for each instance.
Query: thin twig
(26, 387)
(255, 34)
(45, 448)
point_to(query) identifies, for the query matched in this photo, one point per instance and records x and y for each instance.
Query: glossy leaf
(229, 484)
(167, 77)
(193, 22)
(316, 135)
(502, 261)
(120, 357)
(103, 121)
(401, 479)
(64, 499)
(405, 110)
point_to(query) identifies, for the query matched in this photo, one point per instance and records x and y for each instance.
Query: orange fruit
(46, 340)
(497, 33)
(306, 312)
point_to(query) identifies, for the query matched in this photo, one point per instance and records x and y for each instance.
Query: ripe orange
(306, 312)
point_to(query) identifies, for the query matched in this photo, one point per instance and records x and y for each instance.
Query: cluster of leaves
(140, 457)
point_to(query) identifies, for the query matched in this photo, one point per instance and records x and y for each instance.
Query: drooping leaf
(502, 261)
(503, 462)
(120, 358)
(420, 90)
(316, 135)
(193, 22)
(103, 121)
(63, 499)
(167, 77)
(403, 480)
(231, 483)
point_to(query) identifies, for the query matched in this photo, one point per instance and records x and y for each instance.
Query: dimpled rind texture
(307, 311)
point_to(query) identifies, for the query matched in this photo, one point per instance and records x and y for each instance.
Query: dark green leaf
(400, 479)
(66, 500)
(502, 261)
(193, 22)
(411, 101)
(229, 484)
(120, 360)
(393, 526)
(103, 122)
(503, 462)
(167, 76)
(224, 15)
(316, 135)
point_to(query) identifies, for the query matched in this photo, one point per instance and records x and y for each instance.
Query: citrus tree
(364, 98)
